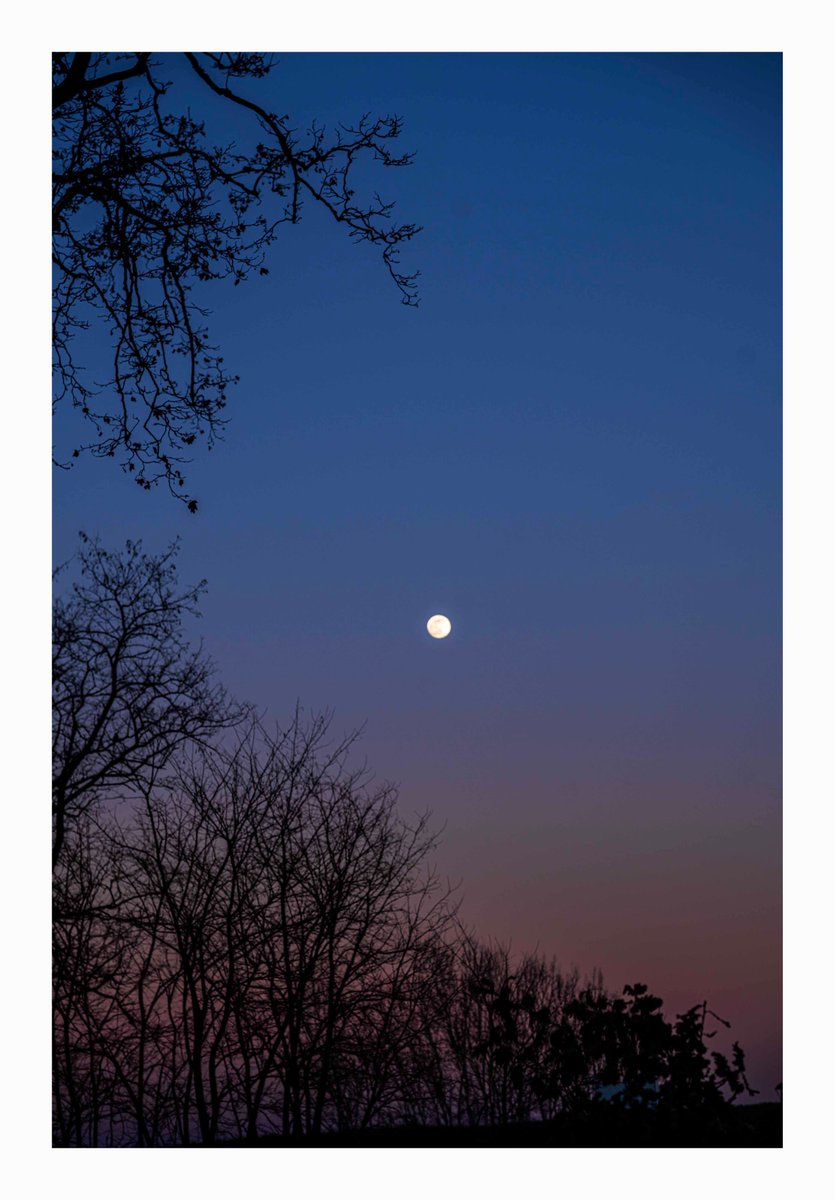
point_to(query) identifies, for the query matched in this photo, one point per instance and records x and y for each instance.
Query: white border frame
(799, 32)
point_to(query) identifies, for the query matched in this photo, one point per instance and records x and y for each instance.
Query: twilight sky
(572, 448)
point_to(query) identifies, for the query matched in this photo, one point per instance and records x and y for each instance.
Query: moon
(439, 626)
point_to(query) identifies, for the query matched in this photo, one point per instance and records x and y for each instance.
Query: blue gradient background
(572, 448)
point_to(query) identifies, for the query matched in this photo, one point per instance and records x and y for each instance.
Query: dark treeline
(249, 938)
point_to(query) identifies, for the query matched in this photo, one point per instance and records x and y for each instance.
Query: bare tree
(148, 209)
(304, 930)
(249, 949)
(490, 1026)
(127, 688)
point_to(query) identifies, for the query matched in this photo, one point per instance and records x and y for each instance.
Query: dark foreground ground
(749, 1125)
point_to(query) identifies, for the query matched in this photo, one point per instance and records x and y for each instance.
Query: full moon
(439, 626)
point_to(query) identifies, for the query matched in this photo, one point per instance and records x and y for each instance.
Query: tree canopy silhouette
(149, 208)
(128, 689)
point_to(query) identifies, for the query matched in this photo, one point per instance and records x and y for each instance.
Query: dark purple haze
(572, 448)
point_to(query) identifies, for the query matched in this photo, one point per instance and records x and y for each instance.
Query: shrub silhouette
(623, 1046)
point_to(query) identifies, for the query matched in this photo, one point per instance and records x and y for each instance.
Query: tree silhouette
(148, 209)
(485, 1055)
(248, 951)
(598, 1043)
(127, 688)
